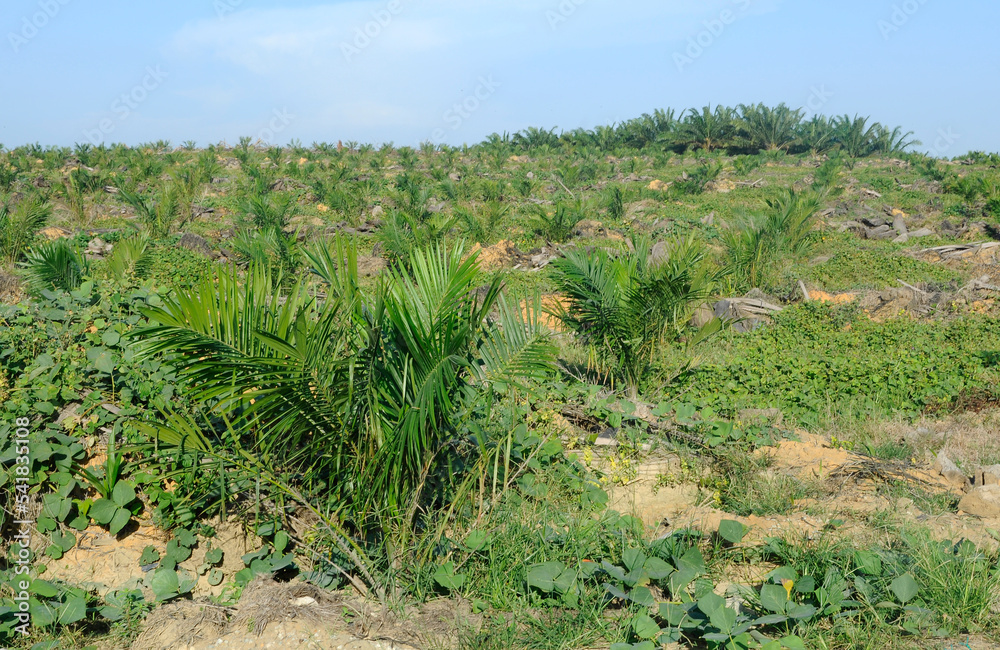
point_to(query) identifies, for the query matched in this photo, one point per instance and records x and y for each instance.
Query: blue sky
(455, 71)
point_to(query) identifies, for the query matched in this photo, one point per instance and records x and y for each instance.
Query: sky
(451, 71)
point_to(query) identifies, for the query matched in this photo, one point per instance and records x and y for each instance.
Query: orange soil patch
(836, 299)
(550, 303)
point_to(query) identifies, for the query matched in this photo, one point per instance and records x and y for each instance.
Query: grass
(815, 357)
(746, 487)
(859, 267)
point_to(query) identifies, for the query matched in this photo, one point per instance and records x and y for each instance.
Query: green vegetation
(817, 358)
(302, 342)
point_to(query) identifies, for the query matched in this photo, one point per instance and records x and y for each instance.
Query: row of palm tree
(748, 128)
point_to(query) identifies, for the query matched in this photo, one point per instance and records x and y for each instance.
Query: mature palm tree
(855, 136)
(817, 134)
(364, 390)
(763, 127)
(708, 129)
(893, 142)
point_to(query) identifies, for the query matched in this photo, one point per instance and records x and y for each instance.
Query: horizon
(449, 73)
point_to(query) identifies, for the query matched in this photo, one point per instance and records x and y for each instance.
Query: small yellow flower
(788, 584)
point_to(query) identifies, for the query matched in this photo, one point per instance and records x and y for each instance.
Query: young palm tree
(54, 265)
(894, 142)
(757, 246)
(363, 391)
(623, 306)
(19, 221)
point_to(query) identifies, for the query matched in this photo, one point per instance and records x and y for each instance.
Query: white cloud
(379, 63)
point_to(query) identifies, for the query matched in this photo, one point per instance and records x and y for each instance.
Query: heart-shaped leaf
(103, 511)
(164, 583)
(905, 588)
(119, 521)
(732, 531)
(645, 627)
(123, 494)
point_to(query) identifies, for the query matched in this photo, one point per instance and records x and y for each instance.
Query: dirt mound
(552, 303)
(101, 562)
(10, 288)
(297, 615)
(665, 495)
(501, 255)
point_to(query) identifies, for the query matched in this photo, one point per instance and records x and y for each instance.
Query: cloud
(407, 63)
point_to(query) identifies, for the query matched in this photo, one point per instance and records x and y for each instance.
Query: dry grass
(971, 440)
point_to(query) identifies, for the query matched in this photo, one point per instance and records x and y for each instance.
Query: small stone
(196, 244)
(987, 476)
(946, 468)
(982, 502)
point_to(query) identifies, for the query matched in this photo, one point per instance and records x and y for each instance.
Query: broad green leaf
(280, 541)
(645, 627)
(149, 556)
(723, 618)
(642, 596)
(613, 571)
(868, 562)
(214, 556)
(447, 578)
(65, 541)
(543, 576)
(679, 580)
(123, 494)
(73, 610)
(164, 583)
(633, 558)
(176, 551)
(476, 540)
(657, 569)
(805, 585)
(905, 588)
(102, 359)
(43, 589)
(732, 531)
(103, 511)
(215, 577)
(119, 521)
(773, 598)
(185, 538)
(711, 603)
